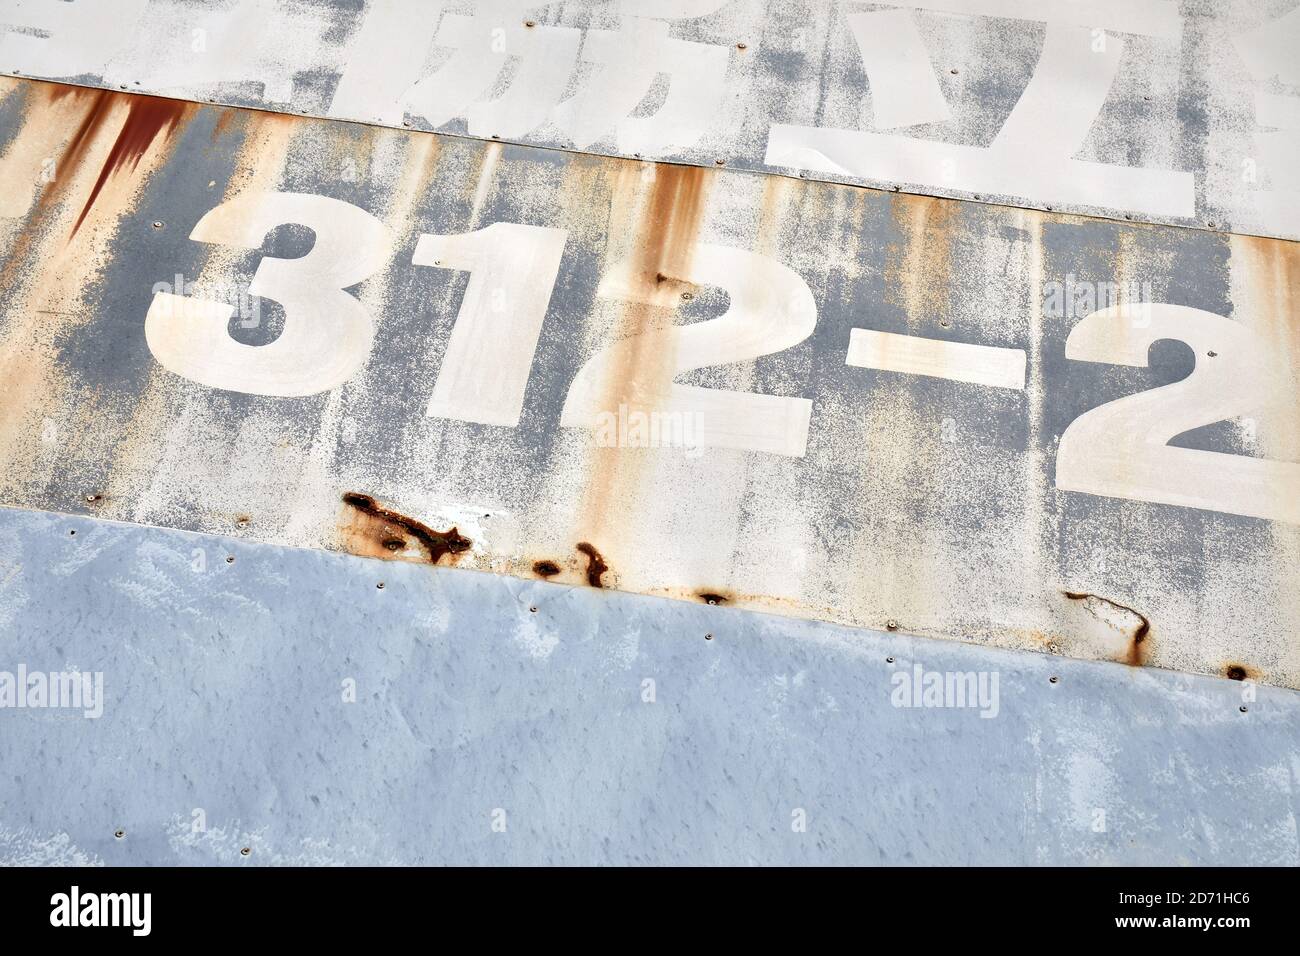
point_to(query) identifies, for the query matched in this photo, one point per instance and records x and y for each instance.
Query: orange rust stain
(596, 565)
(1235, 670)
(672, 218)
(1267, 275)
(372, 530)
(918, 270)
(1139, 642)
(665, 226)
(222, 126)
(713, 597)
(147, 118)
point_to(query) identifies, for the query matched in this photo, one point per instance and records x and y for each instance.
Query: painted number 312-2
(1119, 449)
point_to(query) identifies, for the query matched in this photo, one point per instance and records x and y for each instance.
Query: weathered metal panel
(1177, 112)
(826, 401)
(283, 704)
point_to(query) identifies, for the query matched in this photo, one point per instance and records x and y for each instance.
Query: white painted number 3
(327, 333)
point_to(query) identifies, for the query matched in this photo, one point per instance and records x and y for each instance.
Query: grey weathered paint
(1186, 94)
(919, 500)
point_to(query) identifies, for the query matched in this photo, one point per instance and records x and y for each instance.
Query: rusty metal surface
(881, 413)
(1177, 112)
(279, 708)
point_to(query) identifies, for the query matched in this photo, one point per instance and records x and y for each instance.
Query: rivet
(1211, 354)
(119, 833)
(1053, 679)
(1242, 708)
(740, 46)
(93, 497)
(686, 296)
(245, 851)
(708, 637)
(530, 23)
(406, 122)
(157, 223)
(230, 559)
(891, 625)
(889, 660)
(533, 608)
(953, 71)
(380, 585)
(719, 162)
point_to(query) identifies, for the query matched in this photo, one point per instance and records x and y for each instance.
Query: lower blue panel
(285, 705)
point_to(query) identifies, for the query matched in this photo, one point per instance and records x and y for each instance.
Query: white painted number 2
(1121, 449)
(771, 309)
(327, 333)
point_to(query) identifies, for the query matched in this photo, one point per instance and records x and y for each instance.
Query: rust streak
(437, 543)
(596, 565)
(147, 117)
(1136, 652)
(546, 569)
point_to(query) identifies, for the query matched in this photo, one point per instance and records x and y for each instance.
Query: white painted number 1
(512, 268)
